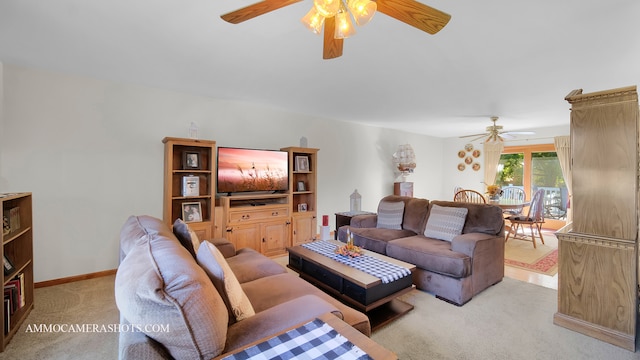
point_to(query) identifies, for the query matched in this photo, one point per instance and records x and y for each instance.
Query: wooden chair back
(470, 196)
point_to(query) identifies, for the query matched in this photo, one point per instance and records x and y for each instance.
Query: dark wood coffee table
(355, 288)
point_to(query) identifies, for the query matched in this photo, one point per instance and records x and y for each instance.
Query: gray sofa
(170, 309)
(453, 270)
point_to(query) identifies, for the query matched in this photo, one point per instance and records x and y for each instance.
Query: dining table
(509, 204)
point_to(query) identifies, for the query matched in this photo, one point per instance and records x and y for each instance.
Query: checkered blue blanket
(383, 270)
(313, 340)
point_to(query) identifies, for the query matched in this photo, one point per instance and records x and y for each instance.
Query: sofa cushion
(374, 239)
(248, 265)
(430, 254)
(390, 214)
(216, 267)
(415, 214)
(281, 317)
(159, 282)
(444, 223)
(481, 218)
(186, 236)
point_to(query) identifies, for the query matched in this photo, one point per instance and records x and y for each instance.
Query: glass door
(536, 167)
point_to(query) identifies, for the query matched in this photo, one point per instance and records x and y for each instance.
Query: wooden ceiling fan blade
(332, 47)
(416, 14)
(255, 10)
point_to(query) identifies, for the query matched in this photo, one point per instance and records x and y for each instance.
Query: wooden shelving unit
(303, 199)
(17, 248)
(179, 157)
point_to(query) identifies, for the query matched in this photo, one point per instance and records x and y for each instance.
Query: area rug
(543, 259)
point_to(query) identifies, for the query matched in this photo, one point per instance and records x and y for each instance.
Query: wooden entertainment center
(269, 223)
(265, 222)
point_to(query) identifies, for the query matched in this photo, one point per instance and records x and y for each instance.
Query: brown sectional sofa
(454, 271)
(159, 284)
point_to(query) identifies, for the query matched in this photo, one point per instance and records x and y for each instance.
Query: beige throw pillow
(390, 214)
(216, 267)
(445, 223)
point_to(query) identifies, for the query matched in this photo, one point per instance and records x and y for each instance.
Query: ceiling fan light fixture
(313, 21)
(344, 25)
(362, 10)
(327, 8)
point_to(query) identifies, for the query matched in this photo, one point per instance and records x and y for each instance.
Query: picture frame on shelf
(191, 160)
(302, 163)
(300, 186)
(302, 207)
(190, 186)
(7, 265)
(191, 212)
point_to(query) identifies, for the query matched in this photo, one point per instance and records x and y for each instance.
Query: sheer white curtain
(563, 150)
(492, 152)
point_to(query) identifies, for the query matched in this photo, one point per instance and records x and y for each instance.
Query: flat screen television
(252, 170)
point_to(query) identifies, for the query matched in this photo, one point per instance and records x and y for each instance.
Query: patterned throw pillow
(390, 215)
(445, 223)
(218, 270)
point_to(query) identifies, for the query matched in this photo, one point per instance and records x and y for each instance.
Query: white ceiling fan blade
(520, 132)
(467, 136)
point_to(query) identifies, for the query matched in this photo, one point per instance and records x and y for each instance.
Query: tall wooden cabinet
(17, 252)
(598, 251)
(189, 183)
(303, 187)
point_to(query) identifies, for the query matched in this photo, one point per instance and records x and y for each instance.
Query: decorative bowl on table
(349, 250)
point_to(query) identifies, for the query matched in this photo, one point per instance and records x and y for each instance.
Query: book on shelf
(190, 186)
(14, 291)
(7, 315)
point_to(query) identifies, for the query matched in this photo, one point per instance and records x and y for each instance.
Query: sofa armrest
(467, 243)
(267, 323)
(364, 221)
(225, 246)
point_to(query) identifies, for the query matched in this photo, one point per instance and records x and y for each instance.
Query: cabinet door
(275, 237)
(242, 236)
(303, 229)
(202, 231)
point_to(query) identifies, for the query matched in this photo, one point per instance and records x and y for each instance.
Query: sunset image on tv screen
(243, 170)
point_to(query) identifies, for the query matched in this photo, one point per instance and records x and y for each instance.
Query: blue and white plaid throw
(383, 270)
(313, 340)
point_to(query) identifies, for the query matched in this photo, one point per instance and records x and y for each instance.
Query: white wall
(91, 153)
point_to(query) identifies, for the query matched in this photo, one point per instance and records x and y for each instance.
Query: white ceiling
(513, 59)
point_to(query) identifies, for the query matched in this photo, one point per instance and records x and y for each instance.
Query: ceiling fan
(496, 134)
(409, 12)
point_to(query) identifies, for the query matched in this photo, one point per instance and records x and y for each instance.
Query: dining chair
(515, 194)
(469, 196)
(534, 219)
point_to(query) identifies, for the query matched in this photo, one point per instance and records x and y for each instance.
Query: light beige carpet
(511, 320)
(543, 259)
(79, 304)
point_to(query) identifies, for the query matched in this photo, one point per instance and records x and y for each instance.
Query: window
(536, 167)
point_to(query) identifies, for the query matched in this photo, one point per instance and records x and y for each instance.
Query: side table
(344, 218)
